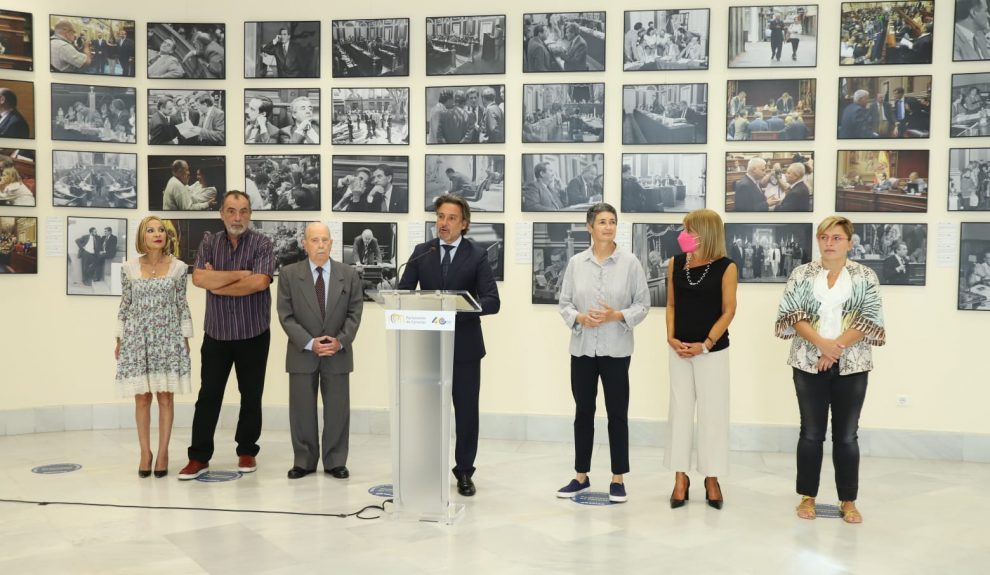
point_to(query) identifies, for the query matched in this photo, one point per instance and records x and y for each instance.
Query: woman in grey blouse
(603, 297)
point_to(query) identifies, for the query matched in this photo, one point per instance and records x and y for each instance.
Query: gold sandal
(806, 509)
(851, 515)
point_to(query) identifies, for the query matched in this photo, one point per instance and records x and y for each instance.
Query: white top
(831, 300)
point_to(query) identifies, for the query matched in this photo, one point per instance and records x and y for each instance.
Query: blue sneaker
(617, 493)
(573, 488)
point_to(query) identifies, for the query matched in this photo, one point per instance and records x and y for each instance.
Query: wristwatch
(704, 348)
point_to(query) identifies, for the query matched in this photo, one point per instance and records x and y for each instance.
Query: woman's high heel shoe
(159, 473)
(714, 503)
(675, 503)
(142, 473)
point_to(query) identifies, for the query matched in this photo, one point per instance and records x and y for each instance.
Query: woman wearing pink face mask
(701, 301)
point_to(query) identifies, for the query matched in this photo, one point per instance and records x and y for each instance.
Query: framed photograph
(659, 183)
(465, 45)
(184, 183)
(665, 40)
(370, 248)
(564, 42)
(190, 233)
(370, 48)
(187, 117)
(288, 182)
(282, 49)
(89, 45)
(83, 113)
(287, 240)
(895, 32)
(94, 180)
(96, 247)
(562, 113)
(770, 110)
(478, 178)
(17, 42)
(18, 178)
(969, 106)
(969, 179)
(187, 51)
(665, 114)
(776, 36)
(490, 237)
(768, 253)
(371, 184)
(465, 114)
(554, 244)
(654, 245)
(18, 102)
(896, 252)
(969, 41)
(282, 116)
(562, 182)
(974, 266)
(372, 116)
(770, 181)
(872, 107)
(881, 181)
(18, 245)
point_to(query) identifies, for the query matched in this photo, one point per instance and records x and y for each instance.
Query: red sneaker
(246, 464)
(193, 469)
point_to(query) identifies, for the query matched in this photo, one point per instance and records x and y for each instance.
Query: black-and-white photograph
(665, 40)
(773, 36)
(370, 248)
(970, 41)
(768, 253)
(665, 114)
(554, 244)
(18, 178)
(885, 107)
(478, 178)
(282, 116)
(770, 181)
(562, 113)
(370, 48)
(489, 237)
(770, 110)
(562, 182)
(288, 182)
(898, 32)
(287, 240)
(969, 179)
(183, 183)
(657, 183)
(970, 106)
(371, 184)
(465, 114)
(18, 245)
(654, 245)
(881, 181)
(564, 42)
(83, 113)
(974, 266)
(370, 116)
(465, 45)
(282, 49)
(94, 180)
(17, 109)
(90, 45)
(187, 51)
(96, 248)
(896, 252)
(187, 117)
(16, 40)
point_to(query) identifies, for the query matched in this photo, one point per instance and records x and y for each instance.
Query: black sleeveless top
(698, 307)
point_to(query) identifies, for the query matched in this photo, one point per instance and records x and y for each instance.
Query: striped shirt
(230, 318)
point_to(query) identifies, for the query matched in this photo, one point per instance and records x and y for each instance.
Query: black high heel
(143, 473)
(159, 473)
(675, 503)
(714, 503)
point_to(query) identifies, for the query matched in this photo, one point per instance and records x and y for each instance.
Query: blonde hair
(12, 173)
(708, 225)
(835, 220)
(171, 236)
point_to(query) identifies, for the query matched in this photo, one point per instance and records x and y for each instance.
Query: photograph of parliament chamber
(478, 178)
(882, 107)
(654, 245)
(369, 48)
(282, 49)
(969, 105)
(768, 252)
(18, 181)
(665, 40)
(974, 266)
(564, 42)
(969, 179)
(658, 183)
(665, 114)
(18, 245)
(554, 244)
(465, 45)
(881, 181)
(94, 180)
(82, 113)
(898, 253)
(17, 33)
(770, 110)
(877, 33)
(562, 182)
(370, 248)
(775, 36)
(560, 113)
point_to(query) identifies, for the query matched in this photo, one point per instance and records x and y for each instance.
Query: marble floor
(921, 516)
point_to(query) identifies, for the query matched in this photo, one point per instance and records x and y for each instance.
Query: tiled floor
(921, 517)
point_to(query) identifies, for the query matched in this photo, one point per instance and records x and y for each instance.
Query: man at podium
(453, 262)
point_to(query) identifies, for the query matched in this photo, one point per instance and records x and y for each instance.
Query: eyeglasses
(834, 239)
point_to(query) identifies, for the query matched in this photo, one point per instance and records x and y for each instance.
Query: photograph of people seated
(187, 51)
(86, 45)
(369, 247)
(282, 49)
(187, 118)
(974, 266)
(665, 114)
(465, 114)
(781, 36)
(769, 110)
(478, 178)
(560, 113)
(16, 40)
(93, 113)
(970, 41)
(654, 245)
(465, 45)
(656, 183)
(96, 247)
(370, 116)
(896, 252)
(885, 107)
(887, 32)
(287, 240)
(282, 116)
(18, 245)
(564, 42)
(562, 182)
(94, 180)
(369, 48)
(665, 40)
(489, 237)
(554, 244)
(18, 181)
(969, 179)
(377, 184)
(970, 106)
(768, 253)
(289, 183)
(184, 183)
(770, 181)
(882, 181)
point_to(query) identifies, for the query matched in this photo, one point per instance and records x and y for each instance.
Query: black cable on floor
(120, 506)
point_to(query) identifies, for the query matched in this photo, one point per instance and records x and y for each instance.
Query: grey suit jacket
(299, 314)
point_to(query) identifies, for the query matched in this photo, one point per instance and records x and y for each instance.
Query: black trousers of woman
(614, 373)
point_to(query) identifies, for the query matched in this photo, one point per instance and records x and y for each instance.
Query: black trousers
(248, 357)
(845, 395)
(794, 45)
(465, 392)
(776, 46)
(614, 373)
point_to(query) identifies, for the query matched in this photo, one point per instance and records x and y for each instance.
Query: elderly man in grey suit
(319, 306)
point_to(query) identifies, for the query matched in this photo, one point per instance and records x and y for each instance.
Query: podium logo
(396, 318)
(440, 320)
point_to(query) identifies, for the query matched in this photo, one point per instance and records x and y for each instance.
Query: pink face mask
(687, 242)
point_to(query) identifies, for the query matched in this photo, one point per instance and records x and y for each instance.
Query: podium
(420, 354)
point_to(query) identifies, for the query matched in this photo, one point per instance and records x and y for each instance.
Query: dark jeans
(794, 45)
(248, 357)
(614, 373)
(775, 48)
(845, 395)
(464, 395)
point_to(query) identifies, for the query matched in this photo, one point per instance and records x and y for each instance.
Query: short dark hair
(445, 96)
(598, 208)
(538, 29)
(163, 100)
(266, 107)
(455, 199)
(235, 194)
(10, 96)
(385, 169)
(540, 169)
(963, 8)
(449, 171)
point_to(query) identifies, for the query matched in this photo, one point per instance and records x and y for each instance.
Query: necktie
(321, 292)
(445, 264)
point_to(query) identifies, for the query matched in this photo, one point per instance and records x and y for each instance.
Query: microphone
(398, 273)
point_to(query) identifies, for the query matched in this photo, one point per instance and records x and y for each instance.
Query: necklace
(687, 274)
(154, 266)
